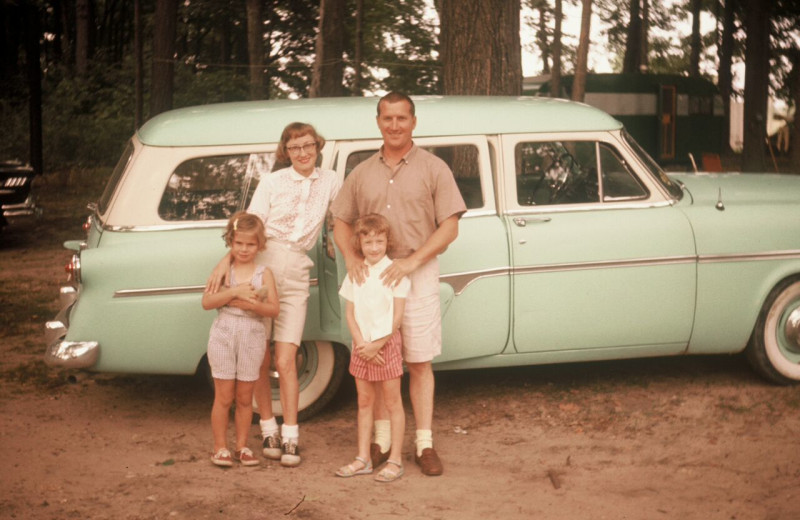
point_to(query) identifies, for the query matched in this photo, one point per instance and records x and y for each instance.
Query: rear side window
(212, 188)
(116, 175)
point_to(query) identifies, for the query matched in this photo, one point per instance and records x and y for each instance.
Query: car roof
(344, 118)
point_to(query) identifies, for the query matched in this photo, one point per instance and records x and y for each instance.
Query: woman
(293, 203)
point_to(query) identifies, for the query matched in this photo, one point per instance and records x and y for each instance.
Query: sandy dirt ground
(689, 438)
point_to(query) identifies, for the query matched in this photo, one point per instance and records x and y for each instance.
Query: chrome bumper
(62, 353)
(24, 209)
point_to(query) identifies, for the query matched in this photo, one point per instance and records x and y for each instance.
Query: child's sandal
(392, 471)
(350, 471)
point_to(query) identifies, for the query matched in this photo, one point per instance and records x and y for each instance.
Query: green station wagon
(576, 246)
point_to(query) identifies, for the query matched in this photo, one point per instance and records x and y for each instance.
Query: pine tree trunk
(579, 83)
(480, 47)
(138, 51)
(756, 81)
(555, 74)
(328, 72)
(694, 57)
(81, 37)
(359, 45)
(725, 76)
(633, 45)
(161, 82)
(255, 49)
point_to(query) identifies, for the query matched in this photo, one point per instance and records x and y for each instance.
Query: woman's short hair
(371, 223)
(246, 223)
(292, 131)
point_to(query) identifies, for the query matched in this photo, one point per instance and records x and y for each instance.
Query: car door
(600, 258)
(475, 270)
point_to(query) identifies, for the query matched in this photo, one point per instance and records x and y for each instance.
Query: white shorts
(422, 317)
(236, 346)
(290, 267)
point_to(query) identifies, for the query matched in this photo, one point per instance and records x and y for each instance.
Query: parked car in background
(16, 196)
(576, 246)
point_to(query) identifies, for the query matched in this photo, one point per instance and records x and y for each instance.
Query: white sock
(290, 432)
(268, 427)
(383, 434)
(424, 440)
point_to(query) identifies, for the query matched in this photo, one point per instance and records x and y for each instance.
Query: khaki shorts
(290, 267)
(422, 318)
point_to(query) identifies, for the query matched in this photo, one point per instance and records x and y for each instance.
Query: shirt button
(388, 206)
(391, 181)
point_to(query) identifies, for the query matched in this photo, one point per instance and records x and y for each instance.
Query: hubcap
(792, 331)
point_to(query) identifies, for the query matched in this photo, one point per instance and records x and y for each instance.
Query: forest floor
(691, 438)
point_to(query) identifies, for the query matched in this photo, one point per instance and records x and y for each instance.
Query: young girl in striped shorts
(238, 338)
(374, 313)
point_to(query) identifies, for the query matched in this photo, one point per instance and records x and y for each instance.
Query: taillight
(87, 225)
(73, 269)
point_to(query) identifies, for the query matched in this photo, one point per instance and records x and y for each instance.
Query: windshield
(671, 186)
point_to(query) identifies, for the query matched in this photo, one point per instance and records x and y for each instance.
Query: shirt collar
(380, 265)
(408, 155)
(297, 177)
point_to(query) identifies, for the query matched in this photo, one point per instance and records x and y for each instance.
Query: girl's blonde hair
(292, 131)
(371, 223)
(246, 223)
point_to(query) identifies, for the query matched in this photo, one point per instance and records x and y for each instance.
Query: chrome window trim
(589, 206)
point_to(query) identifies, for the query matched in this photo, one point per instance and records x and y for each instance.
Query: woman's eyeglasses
(307, 148)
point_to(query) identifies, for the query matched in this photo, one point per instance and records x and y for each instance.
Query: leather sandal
(392, 471)
(350, 471)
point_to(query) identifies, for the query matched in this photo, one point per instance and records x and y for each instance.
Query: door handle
(523, 221)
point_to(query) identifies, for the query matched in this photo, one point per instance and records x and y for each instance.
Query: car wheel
(774, 349)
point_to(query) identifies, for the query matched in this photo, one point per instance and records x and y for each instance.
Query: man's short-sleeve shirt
(415, 196)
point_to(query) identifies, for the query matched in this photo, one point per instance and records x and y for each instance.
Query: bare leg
(220, 411)
(262, 389)
(421, 389)
(286, 363)
(394, 403)
(366, 401)
(244, 412)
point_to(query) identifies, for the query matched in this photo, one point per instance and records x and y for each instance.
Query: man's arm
(436, 244)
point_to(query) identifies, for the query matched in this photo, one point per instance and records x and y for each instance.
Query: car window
(559, 172)
(618, 181)
(116, 175)
(463, 161)
(211, 188)
(573, 172)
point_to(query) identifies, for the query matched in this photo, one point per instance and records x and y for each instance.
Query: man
(416, 191)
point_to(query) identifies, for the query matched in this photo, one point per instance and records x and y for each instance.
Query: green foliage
(399, 49)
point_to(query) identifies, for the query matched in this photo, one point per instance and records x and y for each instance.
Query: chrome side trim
(169, 291)
(606, 264)
(210, 224)
(748, 257)
(460, 281)
(159, 291)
